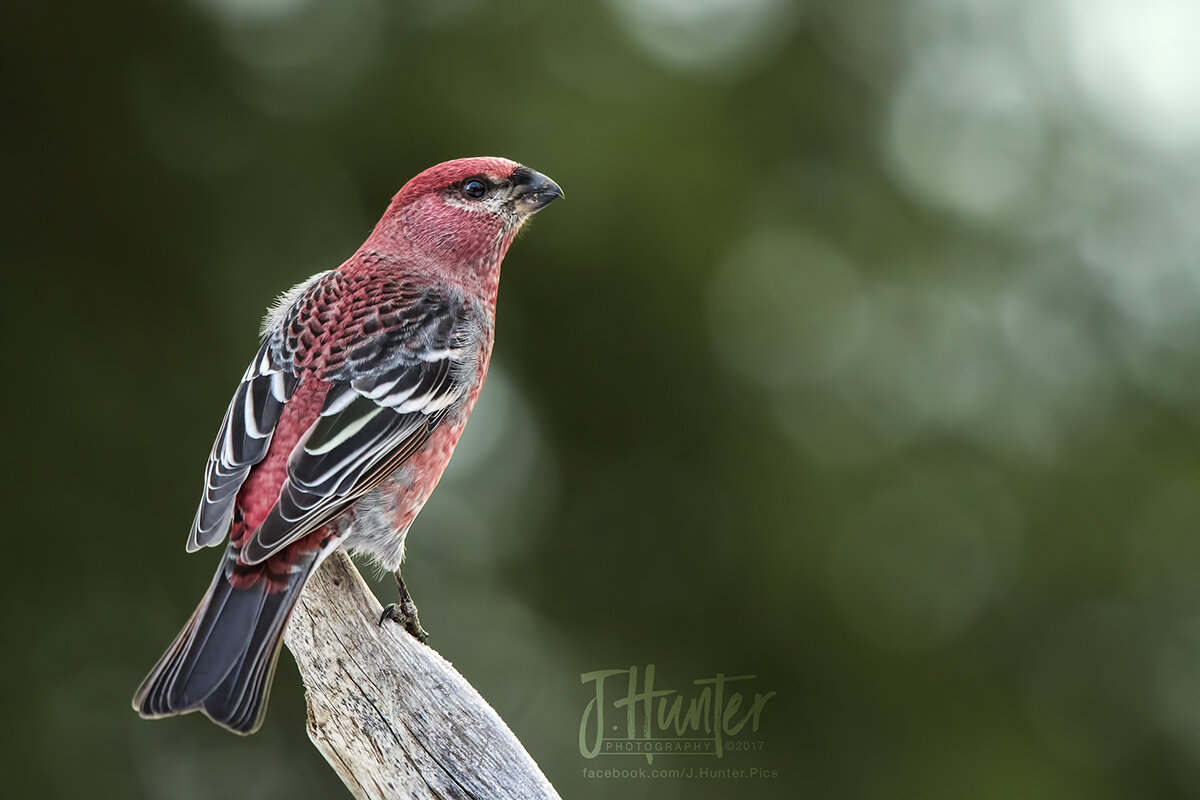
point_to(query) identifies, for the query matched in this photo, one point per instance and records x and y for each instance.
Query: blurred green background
(862, 356)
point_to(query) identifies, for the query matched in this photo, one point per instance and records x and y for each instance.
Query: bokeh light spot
(787, 308)
(1137, 64)
(712, 37)
(922, 557)
(964, 134)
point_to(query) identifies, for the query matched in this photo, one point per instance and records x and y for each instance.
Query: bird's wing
(411, 360)
(245, 435)
(241, 443)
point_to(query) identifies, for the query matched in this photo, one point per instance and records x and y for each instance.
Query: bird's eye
(474, 189)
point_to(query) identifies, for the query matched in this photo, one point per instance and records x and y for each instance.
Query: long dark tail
(223, 660)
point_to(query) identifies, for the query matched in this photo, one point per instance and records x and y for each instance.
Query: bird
(342, 425)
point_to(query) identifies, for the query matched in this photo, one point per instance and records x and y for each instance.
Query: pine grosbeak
(343, 424)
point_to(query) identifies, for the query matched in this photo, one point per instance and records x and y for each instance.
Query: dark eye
(474, 189)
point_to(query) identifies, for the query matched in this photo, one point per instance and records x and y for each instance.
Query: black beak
(533, 191)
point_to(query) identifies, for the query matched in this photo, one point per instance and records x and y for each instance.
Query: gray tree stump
(392, 717)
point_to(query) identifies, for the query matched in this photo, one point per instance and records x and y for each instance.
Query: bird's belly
(378, 523)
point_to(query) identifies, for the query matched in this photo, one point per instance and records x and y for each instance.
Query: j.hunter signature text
(700, 721)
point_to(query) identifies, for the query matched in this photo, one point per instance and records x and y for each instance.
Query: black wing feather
(243, 440)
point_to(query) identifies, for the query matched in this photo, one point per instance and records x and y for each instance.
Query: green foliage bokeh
(861, 356)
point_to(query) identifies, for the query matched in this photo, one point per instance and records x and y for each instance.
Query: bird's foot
(406, 615)
(405, 612)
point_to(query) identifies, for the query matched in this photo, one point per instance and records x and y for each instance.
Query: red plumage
(343, 424)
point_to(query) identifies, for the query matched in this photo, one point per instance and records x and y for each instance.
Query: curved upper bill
(533, 191)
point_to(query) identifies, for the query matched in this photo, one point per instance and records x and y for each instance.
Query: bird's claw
(405, 613)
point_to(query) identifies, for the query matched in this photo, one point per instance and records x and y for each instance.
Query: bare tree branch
(391, 716)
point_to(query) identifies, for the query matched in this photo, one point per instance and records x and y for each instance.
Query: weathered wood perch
(391, 716)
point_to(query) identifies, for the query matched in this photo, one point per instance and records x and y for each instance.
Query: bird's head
(463, 214)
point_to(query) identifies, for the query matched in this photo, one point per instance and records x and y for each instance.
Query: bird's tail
(223, 660)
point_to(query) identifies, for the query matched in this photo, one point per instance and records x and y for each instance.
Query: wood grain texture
(391, 716)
